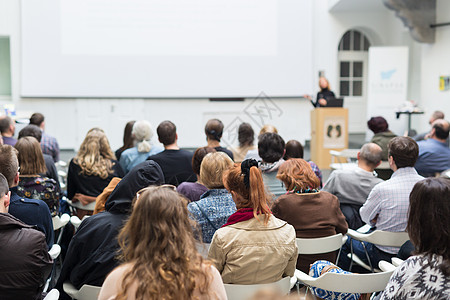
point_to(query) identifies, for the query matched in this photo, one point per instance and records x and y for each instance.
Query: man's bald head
(370, 154)
(440, 129)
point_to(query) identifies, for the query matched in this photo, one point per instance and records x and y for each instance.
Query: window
(5, 67)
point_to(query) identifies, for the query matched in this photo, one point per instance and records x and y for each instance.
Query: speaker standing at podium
(323, 95)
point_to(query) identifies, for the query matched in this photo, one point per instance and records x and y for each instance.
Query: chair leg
(368, 258)
(351, 255)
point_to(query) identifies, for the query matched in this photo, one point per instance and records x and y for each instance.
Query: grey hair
(371, 153)
(142, 132)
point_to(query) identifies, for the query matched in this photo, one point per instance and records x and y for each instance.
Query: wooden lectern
(329, 131)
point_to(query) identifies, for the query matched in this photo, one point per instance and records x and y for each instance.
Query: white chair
(397, 261)
(346, 159)
(320, 245)
(76, 222)
(52, 295)
(347, 283)
(86, 292)
(377, 237)
(54, 253)
(244, 292)
(59, 223)
(90, 206)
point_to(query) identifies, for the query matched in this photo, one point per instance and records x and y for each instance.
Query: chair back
(59, 222)
(244, 292)
(52, 295)
(86, 292)
(54, 251)
(381, 238)
(319, 245)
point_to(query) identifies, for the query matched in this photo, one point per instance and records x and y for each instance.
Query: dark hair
(429, 211)
(128, 141)
(4, 187)
(378, 124)
(270, 147)
(31, 159)
(404, 151)
(31, 130)
(9, 164)
(246, 135)
(294, 149)
(440, 130)
(5, 123)
(167, 132)
(198, 156)
(214, 129)
(37, 119)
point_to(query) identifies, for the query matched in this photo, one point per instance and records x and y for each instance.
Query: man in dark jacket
(25, 262)
(93, 250)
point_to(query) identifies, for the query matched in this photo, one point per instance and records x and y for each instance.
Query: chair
(397, 261)
(59, 223)
(347, 283)
(346, 159)
(244, 292)
(86, 292)
(320, 245)
(377, 237)
(54, 253)
(52, 295)
(76, 222)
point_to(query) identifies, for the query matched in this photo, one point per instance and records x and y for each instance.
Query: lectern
(329, 131)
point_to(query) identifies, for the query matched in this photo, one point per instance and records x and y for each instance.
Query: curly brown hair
(158, 242)
(297, 175)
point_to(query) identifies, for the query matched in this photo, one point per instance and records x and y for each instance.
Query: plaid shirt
(389, 202)
(317, 171)
(49, 145)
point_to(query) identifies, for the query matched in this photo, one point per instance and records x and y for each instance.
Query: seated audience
(158, 253)
(382, 135)
(246, 136)
(31, 184)
(193, 190)
(254, 153)
(294, 149)
(34, 131)
(214, 131)
(215, 205)
(253, 246)
(100, 201)
(92, 168)
(352, 187)
(142, 134)
(93, 250)
(434, 154)
(437, 115)
(25, 262)
(30, 211)
(49, 144)
(271, 151)
(174, 162)
(313, 213)
(426, 275)
(7, 129)
(387, 206)
(128, 141)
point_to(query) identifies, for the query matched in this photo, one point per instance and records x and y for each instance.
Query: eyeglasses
(164, 186)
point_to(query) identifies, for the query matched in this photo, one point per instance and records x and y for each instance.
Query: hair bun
(246, 165)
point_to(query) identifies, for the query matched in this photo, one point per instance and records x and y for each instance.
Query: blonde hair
(95, 156)
(142, 132)
(212, 168)
(268, 128)
(328, 83)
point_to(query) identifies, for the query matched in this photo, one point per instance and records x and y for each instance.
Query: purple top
(192, 190)
(9, 141)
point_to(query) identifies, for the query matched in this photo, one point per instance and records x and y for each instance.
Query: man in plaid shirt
(49, 144)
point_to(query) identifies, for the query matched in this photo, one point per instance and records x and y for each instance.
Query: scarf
(240, 215)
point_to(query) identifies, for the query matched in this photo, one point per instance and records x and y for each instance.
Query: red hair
(254, 196)
(297, 174)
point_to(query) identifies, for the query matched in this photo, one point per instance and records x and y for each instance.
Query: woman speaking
(323, 95)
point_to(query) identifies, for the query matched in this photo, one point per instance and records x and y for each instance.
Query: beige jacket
(249, 252)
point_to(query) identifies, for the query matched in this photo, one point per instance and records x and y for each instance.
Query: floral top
(418, 278)
(41, 188)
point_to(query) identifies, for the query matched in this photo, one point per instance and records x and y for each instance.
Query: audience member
(158, 253)
(7, 129)
(30, 211)
(31, 184)
(294, 149)
(271, 151)
(34, 131)
(313, 213)
(387, 206)
(142, 134)
(128, 141)
(246, 136)
(49, 144)
(434, 154)
(92, 168)
(92, 252)
(437, 115)
(253, 154)
(175, 162)
(25, 261)
(215, 205)
(382, 135)
(426, 275)
(193, 190)
(352, 186)
(253, 246)
(214, 131)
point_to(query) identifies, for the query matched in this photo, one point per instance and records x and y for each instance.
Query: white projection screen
(166, 48)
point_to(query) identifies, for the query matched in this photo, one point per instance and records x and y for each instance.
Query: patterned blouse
(418, 278)
(40, 188)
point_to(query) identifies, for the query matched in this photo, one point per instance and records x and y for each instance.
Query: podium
(329, 131)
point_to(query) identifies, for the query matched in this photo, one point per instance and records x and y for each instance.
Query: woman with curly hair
(312, 212)
(92, 168)
(160, 260)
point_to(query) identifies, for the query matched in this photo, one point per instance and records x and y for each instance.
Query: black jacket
(24, 261)
(92, 252)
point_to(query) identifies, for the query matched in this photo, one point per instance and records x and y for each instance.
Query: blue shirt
(434, 157)
(212, 211)
(131, 157)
